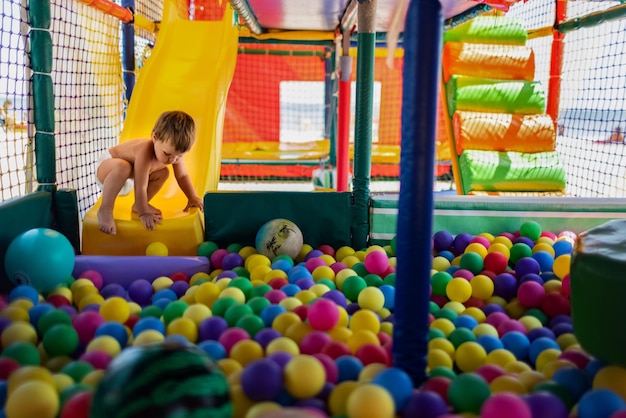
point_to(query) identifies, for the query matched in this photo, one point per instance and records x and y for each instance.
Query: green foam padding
(511, 171)
(488, 29)
(598, 286)
(235, 217)
(491, 95)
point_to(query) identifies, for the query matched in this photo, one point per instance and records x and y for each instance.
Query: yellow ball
(476, 247)
(95, 299)
(304, 365)
(283, 344)
(566, 340)
(502, 240)
(470, 356)
(542, 246)
(342, 275)
(157, 248)
(328, 259)
(62, 381)
(338, 399)
(146, 337)
(206, 293)
(185, 327)
(364, 319)
(482, 287)
(552, 366)
(197, 313)
(340, 333)
(115, 309)
(499, 247)
(298, 331)
(485, 329)
(246, 252)
(273, 274)
(306, 248)
(323, 272)
(92, 378)
(15, 313)
(260, 409)
(26, 374)
(18, 331)
(374, 248)
(222, 283)
(561, 265)
(290, 303)
(612, 378)
(161, 283)
(371, 298)
(246, 351)
(545, 357)
(350, 260)
(255, 260)
(370, 371)
(370, 401)
(517, 367)
(440, 263)
(343, 252)
(33, 399)
(305, 296)
(475, 313)
(507, 383)
(459, 289)
(105, 343)
(530, 322)
(360, 338)
(457, 307)
(530, 379)
(319, 289)
(442, 344)
(284, 320)
(80, 292)
(438, 358)
(233, 292)
(500, 357)
(444, 325)
(197, 277)
(228, 366)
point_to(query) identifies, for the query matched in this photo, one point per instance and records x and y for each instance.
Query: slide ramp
(190, 69)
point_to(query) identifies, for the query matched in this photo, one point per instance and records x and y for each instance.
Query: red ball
(78, 405)
(332, 371)
(7, 366)
(314, 342)
(384, 338)
(327, 249)
(495, 262)
(439, 385)
(132, 320)
(490, 371)
(372, 353)
(58, 300)
(179, 276)
(474, 302)
(302, 311)
(555, 303)
(278, 282)
(335, 349)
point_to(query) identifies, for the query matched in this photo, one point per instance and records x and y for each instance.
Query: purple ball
(336, 296)
(211, 328)
(491, 308)
(559, 319)
(505, 286)
(305, 283)
(442, 240)
(226, 274)
(232, 260)
(527, 265)
(542, 332)
(524, 240)
(461, 241)
(530, 277)
(68, 309)
(94, 307)
(262, 380)
(352, 308)
(312, 254)
(338, 266)
(180, 288)
(140, 291)
(426, 404)
(312, 403)
(545, 405)
(113, 289)
(265, 336)
(562, 328)
(281, 358)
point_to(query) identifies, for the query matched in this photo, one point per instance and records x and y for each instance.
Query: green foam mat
(488, 29)
(491, 95)
(511, 171)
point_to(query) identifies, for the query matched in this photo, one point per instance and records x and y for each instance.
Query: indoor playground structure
(500, 297)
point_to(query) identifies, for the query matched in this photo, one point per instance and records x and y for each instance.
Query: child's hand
(195, 202)
(149, 220)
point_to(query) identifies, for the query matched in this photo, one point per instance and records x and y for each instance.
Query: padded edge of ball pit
(504, 62)
(235, 217)
(488, 29)
(503, 132)
(491, 95)
(598, 286)
(511, 171)
(497, 214)
(182, 232)
(18, 215)
(126, 269)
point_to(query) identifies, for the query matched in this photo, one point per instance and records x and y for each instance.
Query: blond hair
(176, 127)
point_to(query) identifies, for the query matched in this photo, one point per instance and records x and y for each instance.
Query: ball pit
(500, 332)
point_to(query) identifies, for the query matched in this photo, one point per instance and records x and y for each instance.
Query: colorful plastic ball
(115, 309)
(279, 236)
(371, 298)
(459, 290)
(33, 399)
(19, 331)
(505, 286)
(376, 262)
(398, 383)
(157, 249)
(514, 406)
(78, 405)
(496, 262)
(24, 291)
(370, 401)
(262, 380)
(600, 403)
(60, 340)
(148, 370)
(349, 367)
(323, 314)
(425, 404)
(545, 405)
(470, 356)
(115, 330)
(530, 229)
(41, 257)
(97, 358)
(472, 261)
(304, 365)
(468, 392)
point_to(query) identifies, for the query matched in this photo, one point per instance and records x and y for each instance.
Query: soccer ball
(279, 236)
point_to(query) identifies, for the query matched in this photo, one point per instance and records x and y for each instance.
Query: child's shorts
(127, 188)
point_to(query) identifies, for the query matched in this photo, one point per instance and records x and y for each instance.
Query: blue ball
(349, 368)
(291, 289)
(398, 383)
(489, 342)
(540, 344)
(115, 330)
(214, 349)
(517, 343)
(465, 321)
(545, 260)
(148, 323)
(574, 380)
(40, 257)
(599, 403)
(168, 294)
(24, 291)
(561, 247)
(390, 296)
(37, 311)
(269, 313)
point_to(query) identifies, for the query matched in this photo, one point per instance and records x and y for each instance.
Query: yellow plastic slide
(190, 69)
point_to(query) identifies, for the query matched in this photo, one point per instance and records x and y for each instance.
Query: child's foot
(106, 221)
(151, 209)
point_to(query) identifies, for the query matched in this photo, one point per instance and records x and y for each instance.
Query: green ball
(235, 312)
(72, 390)
(234, 248)
(519, 251)
(390, 279)
(259, 290)
(435, 333)
(60, 340)
(242, 283)
(77, 369)
(283, 257)
(446, 313)
(530, 229)
(241, 271)
(173, 310)
(251, 323)
(52, 318)
(433, 307)
(460, 336)
(331, 285)
(439, 281)
(258, 303)
(221, 305)
(24, 353)
(151, 311)
(472, 261)
(467, 393)
(373, 280)
(352, 286)
(539, 314)
(441, 371)
(359, 269)
(207, 248)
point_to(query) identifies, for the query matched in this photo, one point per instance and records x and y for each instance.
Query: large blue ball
(40, 257)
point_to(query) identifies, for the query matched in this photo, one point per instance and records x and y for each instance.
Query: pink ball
(464, 273)
(579, 358)
(372, 353)
(336, 349)
(490, 371)
(313, 263)
(332, 371)
(93, 276)
(481, 240)
(232, 336)
(338, 266)
(496, 318)
(323, 314)
(514, 406)
(511, 325)
(99, 359)
(530, 294)
(327, 249)
(566, 286)
(216, 258)
(86, 323)
(376, 262)
(275, 296)
(314, 342)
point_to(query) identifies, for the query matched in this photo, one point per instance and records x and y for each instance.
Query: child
(144, 162)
